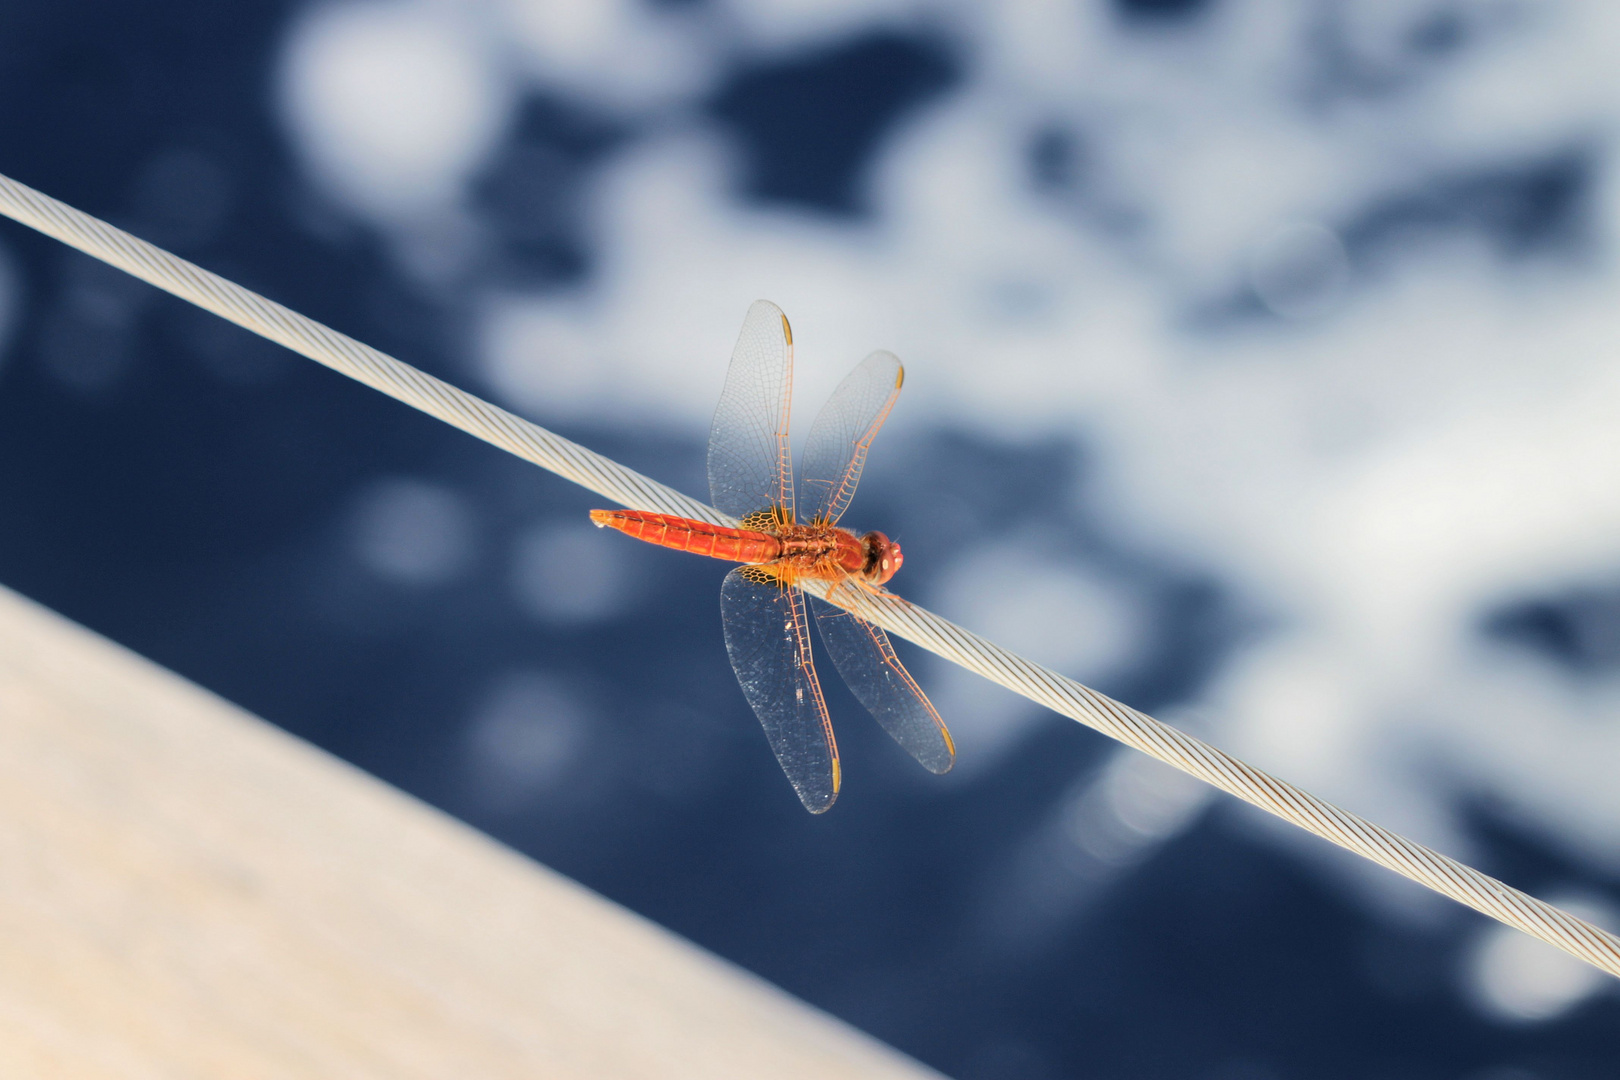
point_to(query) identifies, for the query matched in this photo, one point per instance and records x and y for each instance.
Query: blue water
(187, 490)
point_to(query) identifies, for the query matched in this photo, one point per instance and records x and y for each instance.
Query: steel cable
(901, 618)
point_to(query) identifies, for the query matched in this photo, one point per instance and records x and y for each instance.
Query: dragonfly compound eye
(883, 557)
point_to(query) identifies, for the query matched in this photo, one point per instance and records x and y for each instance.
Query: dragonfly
(783, 542)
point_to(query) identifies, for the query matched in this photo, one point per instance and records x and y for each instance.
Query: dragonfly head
(883, 558)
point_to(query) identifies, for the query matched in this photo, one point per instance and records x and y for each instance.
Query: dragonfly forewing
(835, 452)
(750, 469)
(768, 640)
(865, 658)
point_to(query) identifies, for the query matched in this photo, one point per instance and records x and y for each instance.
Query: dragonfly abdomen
(697, 537)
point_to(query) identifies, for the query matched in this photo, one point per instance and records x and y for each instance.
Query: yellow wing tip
(900, 377)
(832, 796)
(787, 331)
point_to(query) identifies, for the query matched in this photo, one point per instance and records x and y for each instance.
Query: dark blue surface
(184, 488)
(809, 124)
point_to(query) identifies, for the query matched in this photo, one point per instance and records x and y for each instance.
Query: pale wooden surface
(187, 892)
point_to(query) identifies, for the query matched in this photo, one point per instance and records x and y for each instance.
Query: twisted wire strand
(899, 617)
(342, 353)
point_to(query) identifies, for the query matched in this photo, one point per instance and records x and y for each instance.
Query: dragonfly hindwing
(772, 520)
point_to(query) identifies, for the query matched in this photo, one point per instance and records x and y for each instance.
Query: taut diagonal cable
(342, 353)
(629, 488)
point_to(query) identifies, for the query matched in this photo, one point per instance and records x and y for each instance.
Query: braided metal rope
(629, 488)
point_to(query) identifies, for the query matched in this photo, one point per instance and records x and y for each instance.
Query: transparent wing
(864, 657)
(836, 450)
(768, 639)
(750, 469)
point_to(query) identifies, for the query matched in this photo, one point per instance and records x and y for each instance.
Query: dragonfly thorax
(826, 551)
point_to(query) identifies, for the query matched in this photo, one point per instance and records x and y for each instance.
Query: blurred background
(1263, 363)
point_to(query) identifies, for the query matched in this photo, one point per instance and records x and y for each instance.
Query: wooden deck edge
(188, 891)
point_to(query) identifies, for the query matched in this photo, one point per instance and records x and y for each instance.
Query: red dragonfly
(767, 632)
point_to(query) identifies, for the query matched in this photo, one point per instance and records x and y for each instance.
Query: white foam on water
(412, 532)
(1369, 429)
(392, 104)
